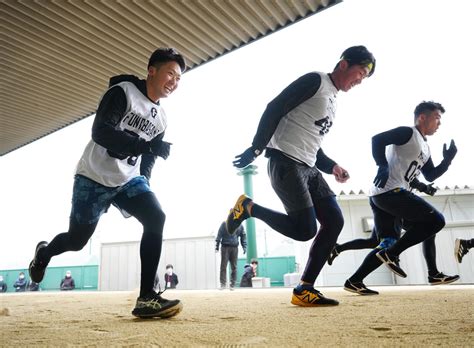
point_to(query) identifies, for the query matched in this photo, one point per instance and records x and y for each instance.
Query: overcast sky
(424, 51)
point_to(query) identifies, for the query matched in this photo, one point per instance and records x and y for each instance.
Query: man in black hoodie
(127, 136)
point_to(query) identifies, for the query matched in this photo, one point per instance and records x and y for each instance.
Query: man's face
(430, 122)
(352, 76)
(164, 79)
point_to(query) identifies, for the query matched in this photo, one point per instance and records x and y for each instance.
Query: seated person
(68, 282)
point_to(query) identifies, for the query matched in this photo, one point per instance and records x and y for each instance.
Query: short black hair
(427, 106)
(359, 55)
(167, 54)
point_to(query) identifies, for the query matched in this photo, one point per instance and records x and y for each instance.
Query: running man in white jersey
(291, 130)
(435, 277)
(115, 168)
(393, 202)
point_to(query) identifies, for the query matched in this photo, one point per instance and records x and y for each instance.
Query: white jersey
(142, 117)
(404, 163)
(300, 132)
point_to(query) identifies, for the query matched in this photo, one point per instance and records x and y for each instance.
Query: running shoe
(37, 266)
(442, 278)
(238, 214)
(460, 249)
(307, 296)
(359, 288)
(153, 305)
(334, 253)
(392, 262)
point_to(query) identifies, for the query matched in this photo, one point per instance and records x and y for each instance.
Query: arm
(243, 238)
(296, 93)
(147, 164)
(104, 130)
(324, 163)
(396, 136)
(430, 172)
(219, 235)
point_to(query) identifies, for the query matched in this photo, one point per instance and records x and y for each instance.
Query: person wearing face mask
(401, 154)
(3, 285)
(291, 131)
(171, 278)
(68, 282)
(20, 283)
(115, 168)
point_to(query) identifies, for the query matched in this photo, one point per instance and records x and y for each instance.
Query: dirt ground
(399, 316)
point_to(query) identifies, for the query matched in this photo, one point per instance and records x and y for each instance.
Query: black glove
(160, 148)
(245, 250)
(247, 157)
(428, 189)
(449, 154)
(382, 176)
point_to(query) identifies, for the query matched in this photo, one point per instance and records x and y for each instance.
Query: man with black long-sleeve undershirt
(291, 130)
(401, 154)
(127, 136)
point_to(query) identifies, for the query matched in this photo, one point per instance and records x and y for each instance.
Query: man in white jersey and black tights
(115, 168)
(401, 154)
(291, 130)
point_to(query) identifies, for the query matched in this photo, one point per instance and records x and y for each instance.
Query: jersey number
(412, 171)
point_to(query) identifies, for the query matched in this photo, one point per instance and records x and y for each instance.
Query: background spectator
(68, 282)
(20, 284)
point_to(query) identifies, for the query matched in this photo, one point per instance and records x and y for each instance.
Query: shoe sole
(390, 268)
(445, 282)
(359, 293)
(457, 246)
(167, 313)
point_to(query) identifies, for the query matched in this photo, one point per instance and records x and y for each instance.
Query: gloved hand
(382, 176)
(160, 148)
(449, 154)
(245, 250)
(422, 187)
(246, 157)
(430, 190)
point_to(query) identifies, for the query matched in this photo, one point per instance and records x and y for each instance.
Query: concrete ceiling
(57, 55)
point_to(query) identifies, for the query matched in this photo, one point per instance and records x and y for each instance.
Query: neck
(151, 92)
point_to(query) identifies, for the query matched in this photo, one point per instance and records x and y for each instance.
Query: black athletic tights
(146, 209)
(301, 225)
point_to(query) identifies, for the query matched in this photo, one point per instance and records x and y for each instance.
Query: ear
(343, 65)
(152, 70)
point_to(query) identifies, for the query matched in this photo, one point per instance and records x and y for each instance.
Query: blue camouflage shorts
(90, 199)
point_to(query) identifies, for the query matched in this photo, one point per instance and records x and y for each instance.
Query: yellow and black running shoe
(307, 296)
(237, 214)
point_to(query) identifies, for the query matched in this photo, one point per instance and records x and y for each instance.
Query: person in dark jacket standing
(229, 252)
(127, 137)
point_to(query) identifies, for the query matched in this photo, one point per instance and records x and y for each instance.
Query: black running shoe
(334, 253)
(153, 305)
(392, 262)
(460, 249)
(307, 296)
(237, 214)
(359, 288)
(37, 266)
(442, 278)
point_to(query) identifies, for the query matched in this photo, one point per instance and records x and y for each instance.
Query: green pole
(247, 173)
